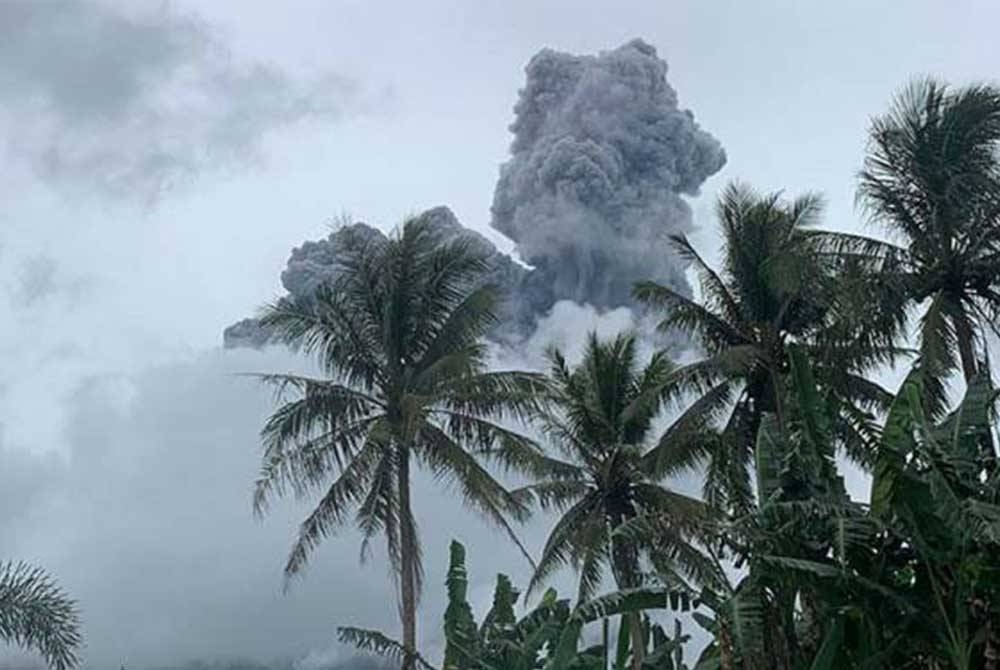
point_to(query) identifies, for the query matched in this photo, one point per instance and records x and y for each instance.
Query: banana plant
(501, 642)
(546, 638)
(660, 650)
(910, 580)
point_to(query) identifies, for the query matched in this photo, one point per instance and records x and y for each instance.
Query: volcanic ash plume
(600, 159)
(315, 263)
(602, 156)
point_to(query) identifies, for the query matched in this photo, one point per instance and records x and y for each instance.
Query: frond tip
(374, 642)
(36, 614)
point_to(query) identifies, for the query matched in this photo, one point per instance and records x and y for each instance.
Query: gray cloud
(148, 523)
(602, 154)
(28, 481)
(41, 279)
(37, 280)
(133, 104)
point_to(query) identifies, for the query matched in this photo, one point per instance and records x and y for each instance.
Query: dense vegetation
(775, 561)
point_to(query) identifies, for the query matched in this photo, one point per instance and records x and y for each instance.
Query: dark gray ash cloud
(134, 103)
(601, 161)
(315, 262)
(601, 158)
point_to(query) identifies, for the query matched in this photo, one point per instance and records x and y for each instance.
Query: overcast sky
(160, 160)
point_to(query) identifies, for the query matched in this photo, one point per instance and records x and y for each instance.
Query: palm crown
(601, 418)
(932, 177)
(398, 337)
(777, 286)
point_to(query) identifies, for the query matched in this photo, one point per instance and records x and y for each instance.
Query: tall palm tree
(398, 339)
(779, 283)
(932, 178)
(37, 615)
(601, 418)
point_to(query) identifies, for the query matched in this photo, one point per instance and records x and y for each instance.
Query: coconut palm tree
(601, 418)
(398, 340)
(931, 178)
(780, 283)
(37, 615)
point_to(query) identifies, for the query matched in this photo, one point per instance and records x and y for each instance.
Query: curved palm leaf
(37, 615)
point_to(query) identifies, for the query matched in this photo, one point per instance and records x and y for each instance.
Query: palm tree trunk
(725, 647)
(607, 644)
(638, 648)
(407, 564)
(626, 572)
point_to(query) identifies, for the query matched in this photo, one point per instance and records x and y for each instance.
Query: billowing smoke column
(601, 157)
(316, 262)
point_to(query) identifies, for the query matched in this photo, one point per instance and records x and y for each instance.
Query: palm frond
(325, 326)
(937, 355)
(331, 511)
(375, 642)
(688, 316)
(480, 490)
(502, 393)
(688, 441)
(461, 331)
(305, 466)
(563, 539)
(558, 494)
(36, 614)
(379, 511)
(713, 289)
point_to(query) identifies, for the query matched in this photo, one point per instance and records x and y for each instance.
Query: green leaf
(771, 447)
(897, 443)
(829, 652)
(461, 635)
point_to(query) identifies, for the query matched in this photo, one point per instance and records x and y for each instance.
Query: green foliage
(546, 638)
(459, 626)
(600, 418)
(399, 336)
(780, 283)
(36, 614)
(932, 177)
(777, 564)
